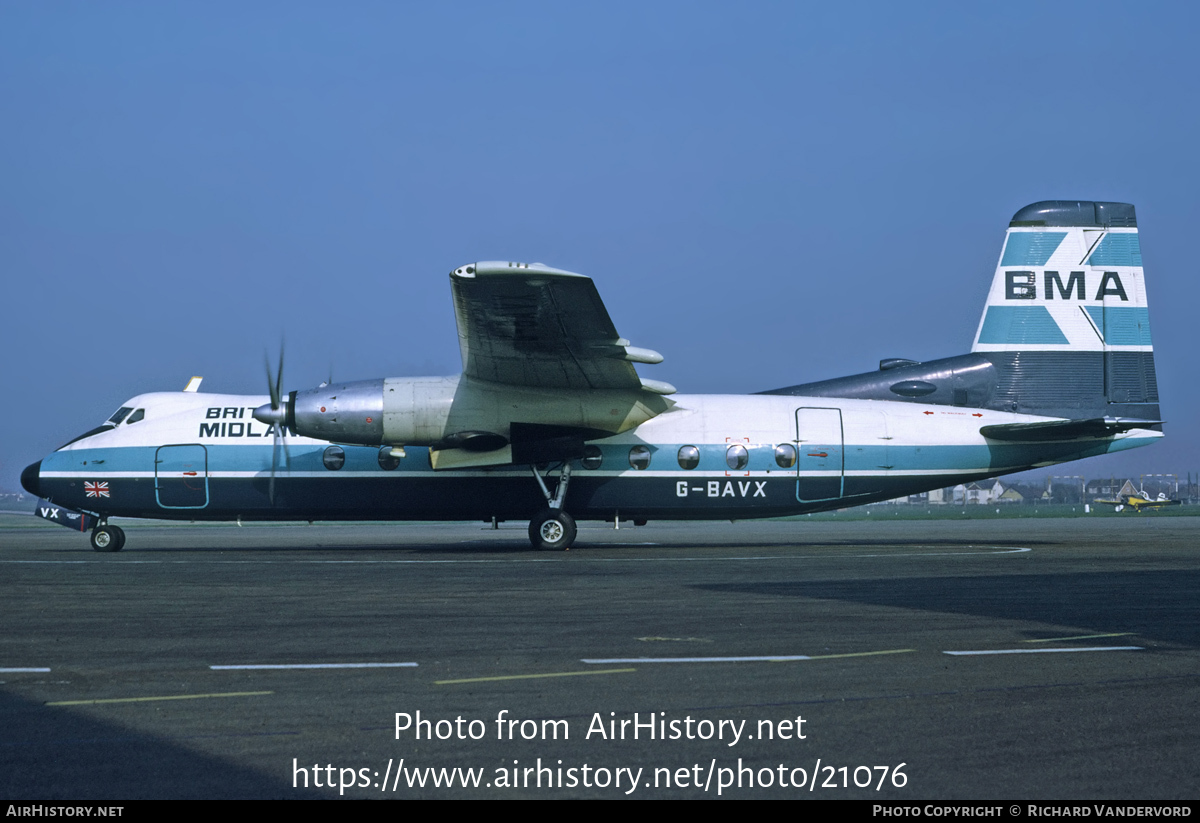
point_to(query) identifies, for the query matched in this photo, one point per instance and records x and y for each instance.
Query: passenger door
(820, 469)
(181, 476)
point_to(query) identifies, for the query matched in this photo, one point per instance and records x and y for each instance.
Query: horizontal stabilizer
(1065, 429)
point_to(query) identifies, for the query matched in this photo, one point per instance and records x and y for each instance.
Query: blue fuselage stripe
(238, 477)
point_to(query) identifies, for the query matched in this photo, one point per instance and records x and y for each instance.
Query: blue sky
(766, 193)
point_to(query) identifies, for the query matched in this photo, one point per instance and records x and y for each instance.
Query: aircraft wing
(531, 325)
(1139, 503)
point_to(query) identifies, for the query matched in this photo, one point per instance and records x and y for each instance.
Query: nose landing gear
(106, 538)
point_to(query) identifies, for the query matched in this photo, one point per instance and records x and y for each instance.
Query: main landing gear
(106, 538)
(553, 528)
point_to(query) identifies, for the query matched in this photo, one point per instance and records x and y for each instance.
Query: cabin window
(136, 416)
(334, 458)
(785, 455)
(387, 461)
(736, 457)
(119, 415)
(592, 457)
(639, 457)
(689, 457)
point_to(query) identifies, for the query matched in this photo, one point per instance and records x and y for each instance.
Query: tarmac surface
(1008, 659)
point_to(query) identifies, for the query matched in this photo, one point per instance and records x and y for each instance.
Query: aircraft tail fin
(1066, 319)
(1065, 332)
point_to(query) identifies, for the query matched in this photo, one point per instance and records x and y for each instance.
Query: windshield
(112, 422)
(119, 415)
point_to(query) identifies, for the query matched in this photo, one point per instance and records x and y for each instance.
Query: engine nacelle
(454, 412)
(416, 410)
(399, 411)
(341, 412)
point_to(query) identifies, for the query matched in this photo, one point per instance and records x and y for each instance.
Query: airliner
(550, 422)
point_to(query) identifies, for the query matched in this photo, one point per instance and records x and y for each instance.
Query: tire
(107, 539)
(553, 530)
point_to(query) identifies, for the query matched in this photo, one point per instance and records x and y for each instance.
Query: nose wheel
(106, 538)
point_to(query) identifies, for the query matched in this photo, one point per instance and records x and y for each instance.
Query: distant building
(1010, 496)
(985, 493)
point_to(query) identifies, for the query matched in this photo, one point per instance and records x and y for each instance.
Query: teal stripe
(1031, 248)
(1122, 325)
(1008, 325)
(1117, 250)
(949, 459)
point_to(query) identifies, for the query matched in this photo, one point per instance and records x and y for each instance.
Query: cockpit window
(135, 417)
(119, 415)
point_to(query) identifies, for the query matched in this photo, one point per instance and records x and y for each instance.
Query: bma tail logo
(1022, 285)
(92, 488)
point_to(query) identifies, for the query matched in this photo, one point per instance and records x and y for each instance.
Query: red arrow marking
(817, 454)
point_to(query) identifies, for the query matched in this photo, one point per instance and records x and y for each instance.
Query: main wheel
(107, 539)
(552, 529)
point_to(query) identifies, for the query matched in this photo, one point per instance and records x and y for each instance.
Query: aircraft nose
(30, 478)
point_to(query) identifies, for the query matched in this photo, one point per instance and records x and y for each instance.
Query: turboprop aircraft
(1139, 502)
(1061, 368)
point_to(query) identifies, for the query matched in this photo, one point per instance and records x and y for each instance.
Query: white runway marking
(21, 670)
(315, 666)
(778, 658)
(1045, 651)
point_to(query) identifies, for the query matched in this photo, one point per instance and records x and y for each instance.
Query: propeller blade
(274, 468)
(272, 385)
(279, 425)
(277, 395)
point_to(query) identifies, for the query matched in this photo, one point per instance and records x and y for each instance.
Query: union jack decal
(94, 489)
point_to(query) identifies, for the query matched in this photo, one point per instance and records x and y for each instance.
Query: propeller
(275, 414)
